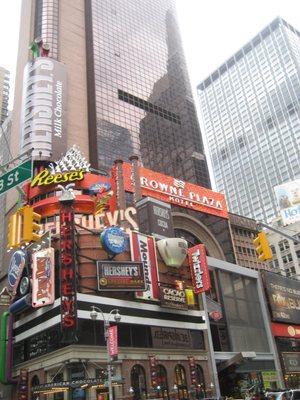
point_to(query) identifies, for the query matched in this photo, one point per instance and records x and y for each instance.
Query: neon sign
(44, 177)
(67, 275)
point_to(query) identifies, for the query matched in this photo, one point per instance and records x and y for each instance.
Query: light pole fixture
(106, 323)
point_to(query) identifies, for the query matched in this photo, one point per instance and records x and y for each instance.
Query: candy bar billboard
(142, 249)
(43, 292)
(43, 120)
(118, 275)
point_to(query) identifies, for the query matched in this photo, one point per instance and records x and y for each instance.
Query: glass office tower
(138, 94)
(250, 111)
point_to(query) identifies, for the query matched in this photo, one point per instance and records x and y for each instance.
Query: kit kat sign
(174, 191)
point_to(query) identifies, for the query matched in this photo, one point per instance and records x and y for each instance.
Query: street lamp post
(106, 324)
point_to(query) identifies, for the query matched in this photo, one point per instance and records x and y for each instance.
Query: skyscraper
(128, 88)
(250, 110)
(4, 93)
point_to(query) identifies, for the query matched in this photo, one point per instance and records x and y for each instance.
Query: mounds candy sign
(178, 192)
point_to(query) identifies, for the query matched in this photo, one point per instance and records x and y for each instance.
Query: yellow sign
(45, 178)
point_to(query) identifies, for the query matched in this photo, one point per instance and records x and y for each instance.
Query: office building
(4, 93)
(128, 91)
(250, 112)
(285, 251)
(244, 231)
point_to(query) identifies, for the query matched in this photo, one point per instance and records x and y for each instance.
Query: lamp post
(106, 324)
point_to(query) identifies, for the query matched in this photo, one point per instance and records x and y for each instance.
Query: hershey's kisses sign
(68, 274)
(68, 169)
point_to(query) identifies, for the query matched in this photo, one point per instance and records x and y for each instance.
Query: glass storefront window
(180, 380)
(138, 382)
(162, 382)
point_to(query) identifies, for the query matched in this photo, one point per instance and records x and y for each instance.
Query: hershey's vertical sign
(68, 275)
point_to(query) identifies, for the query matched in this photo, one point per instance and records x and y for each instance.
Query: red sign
(67, 275)
(199, 268)
(113, 341)
(285, 330)
(43, 278)
(215, 315)
(143, 249)
(175, 191)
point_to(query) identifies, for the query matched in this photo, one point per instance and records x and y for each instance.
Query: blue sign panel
(114, 240)
(15, 268)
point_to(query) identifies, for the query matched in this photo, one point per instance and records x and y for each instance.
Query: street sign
(15, 176)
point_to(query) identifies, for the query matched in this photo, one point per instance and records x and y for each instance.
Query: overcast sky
(212, 30)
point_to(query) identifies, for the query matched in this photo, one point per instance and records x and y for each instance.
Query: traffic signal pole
(271, 228)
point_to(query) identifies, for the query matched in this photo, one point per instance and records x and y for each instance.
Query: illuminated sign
(43, 121)
(173, 298)
(284, 297)
(118, 275)
(118, 216)
(288, 199)
(68, 275)
(143, 249)
(177, 192)
(199, 268)
(44, 177)
(15, 269)
(43, 278)
(114, 240)
(285, 330)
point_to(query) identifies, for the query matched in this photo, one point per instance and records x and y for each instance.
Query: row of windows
(149, 107)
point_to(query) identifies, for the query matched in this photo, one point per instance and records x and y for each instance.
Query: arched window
(35, 382)
(180, 381)
(138, 382)
(162, 382)
(200, 388)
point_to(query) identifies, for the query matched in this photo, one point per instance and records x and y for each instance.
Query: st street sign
(15, 176)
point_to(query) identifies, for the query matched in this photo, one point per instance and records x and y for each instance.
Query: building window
(200, 381)
(138, 382)
(162, 382)
(148, 107)
(273, 249)
(283, 245)
(180, 381)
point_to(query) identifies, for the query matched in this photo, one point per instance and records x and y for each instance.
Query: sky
(212, 30)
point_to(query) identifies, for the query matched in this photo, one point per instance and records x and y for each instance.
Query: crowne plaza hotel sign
(178, 192)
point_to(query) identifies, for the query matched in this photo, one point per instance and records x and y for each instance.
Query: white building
(286, 253)
(250, 110)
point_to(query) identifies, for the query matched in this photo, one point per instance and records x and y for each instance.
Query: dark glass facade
(139, 95)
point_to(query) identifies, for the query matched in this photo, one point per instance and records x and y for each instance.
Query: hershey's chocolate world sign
(117, 275)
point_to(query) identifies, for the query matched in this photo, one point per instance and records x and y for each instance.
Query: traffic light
(31, 225)
(14, 231)
(262, 247)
